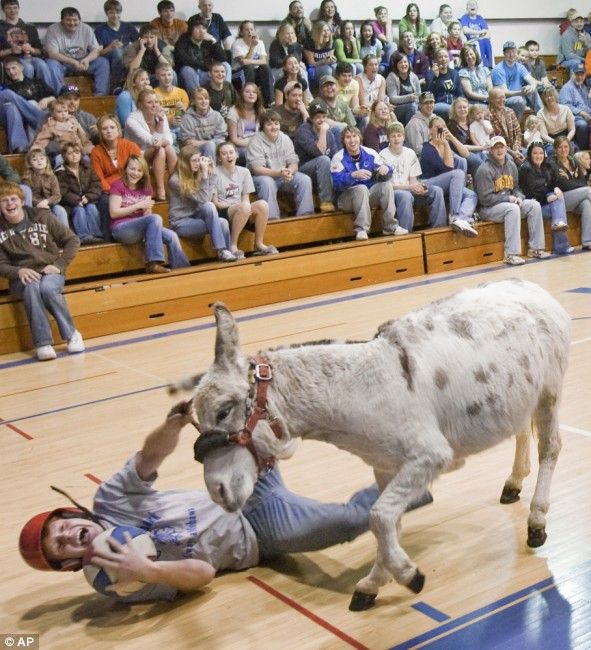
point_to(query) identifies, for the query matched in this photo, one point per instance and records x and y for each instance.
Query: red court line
(306, 612)
(16, 429)
(93, 478)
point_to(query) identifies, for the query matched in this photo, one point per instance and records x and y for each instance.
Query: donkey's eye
(223, 413)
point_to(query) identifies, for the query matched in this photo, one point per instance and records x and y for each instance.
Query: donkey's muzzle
(209, 441)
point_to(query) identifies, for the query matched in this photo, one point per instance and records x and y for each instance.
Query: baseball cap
(327, 79)
(509, 45)
(580, 67)
(290, 85)
(426, 97)
(497, 139)
(70, 89)
(317, 106)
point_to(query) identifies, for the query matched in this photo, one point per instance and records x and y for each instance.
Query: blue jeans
(16, 114)
(442, 109)
(581, 132)
(318, 169)
(46, 69)
(405, 111)
(462, 201)
(556, 211)
(40, 297)
(59, 212)
(285, 522)
(579, 200)
(118, 70)
(192, 78)
(98, 69)
(86, 222)
(205, 221)
(28, 194)
(435, 200)
(301, 186)
(149, 229)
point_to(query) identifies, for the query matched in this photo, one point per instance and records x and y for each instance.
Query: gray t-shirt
(182, 523)
(76, 44)
(230, 188)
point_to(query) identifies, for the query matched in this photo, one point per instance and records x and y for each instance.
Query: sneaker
(75, 344)
(224, 255)
(514, 260)
(238, 254)
(463, 227)
(559, 226)
(45, 353)
(399, 230)
(327, 206)
(538, 253)
(566, 251)
(361, 235)
(156, 267)
(266, 250)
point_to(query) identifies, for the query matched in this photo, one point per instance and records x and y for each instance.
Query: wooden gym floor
(74, 421)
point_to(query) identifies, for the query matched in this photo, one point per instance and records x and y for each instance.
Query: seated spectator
(417, 128)
(502, 201)
(532, 131)
(80, 189)
(444, 83)
(346, 49)
(201, 126)
(23, 105)
(433, 43)
(232, 200)
(535, 64)
(222, 94)
(370, 45)
(132, 219)
(35, 267)
(571, 179)
(574, 44)
(71, 95)
(408, 188)
(315, 145)
(168, 28)
(474, 77)
(249, 57)
(514, 79)
(73, 45)
(8, 174)
(506, 124)
(192, 212)
(459, 127)
(375, 135)
(244, 118)
(108, 160)
(319, 53)
(403, 88)
(412, 22)
(481, 130)
(125, 103)
(555, 119)
(114, 36)
(147, 52)
(455, 41)
(339, 114)
(21, 40)
(216, 26)
(283, 45)
(440, 24)
(292, 73)
(372, 85)
(419, 63)
(292, 113)
(361, 180)
(329, 14)
(45, 188)
(566, 23)
(60, 129)
(382, 30)
(297, 19)
(271, 158)
(194, 54)
(475, 26)
(348, 89)
(438, 165)
(536, 180)
(174, 100)
(575, 95)
(584, 160)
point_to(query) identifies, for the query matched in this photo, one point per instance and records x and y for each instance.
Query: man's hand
(361, 174)
(26, 276)
(181, 414)
(50, 269)
(125, 560)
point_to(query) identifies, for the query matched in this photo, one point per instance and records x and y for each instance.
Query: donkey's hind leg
(549, 444)
(521, 469)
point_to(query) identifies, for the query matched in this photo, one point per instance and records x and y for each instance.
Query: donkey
(433, 387)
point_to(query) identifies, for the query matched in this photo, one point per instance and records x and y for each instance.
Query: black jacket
(199, 57)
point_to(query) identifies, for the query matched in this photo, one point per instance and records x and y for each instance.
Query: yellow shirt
(348, 92)
(169, 100)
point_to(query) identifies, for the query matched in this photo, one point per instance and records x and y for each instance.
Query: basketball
(99, 578)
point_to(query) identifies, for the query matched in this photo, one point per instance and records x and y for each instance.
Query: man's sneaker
(538, 253)
(327, 206)
(514, 260)
(463, 227)
(224, 255)
(559, 226)
(586, 247)
(156, 267)
(361, 235)
(76, 343)
(45, 353)
(399, 230)
(566, 251)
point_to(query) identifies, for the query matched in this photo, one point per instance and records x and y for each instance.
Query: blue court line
(579, 290)
(490, 609)
(274, 312)
(431, 612)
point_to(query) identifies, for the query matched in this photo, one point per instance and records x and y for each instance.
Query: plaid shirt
(505, 123)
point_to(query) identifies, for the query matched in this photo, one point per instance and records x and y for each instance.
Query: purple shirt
(128, 197)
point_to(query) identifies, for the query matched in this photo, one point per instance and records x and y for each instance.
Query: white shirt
(405, 165)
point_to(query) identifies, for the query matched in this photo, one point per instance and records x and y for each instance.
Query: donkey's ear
(227, 345)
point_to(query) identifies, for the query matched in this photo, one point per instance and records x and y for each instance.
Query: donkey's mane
(311, 343)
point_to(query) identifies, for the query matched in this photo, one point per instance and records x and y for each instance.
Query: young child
(44, 185)
(60, 129)
(532, 130)
(535, 64)
(584, 160)
(455, 41)
(80, 188)
(481, 129)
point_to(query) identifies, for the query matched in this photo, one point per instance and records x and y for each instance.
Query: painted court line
(16, 429)
(431, 612)
(93, 478)
(306, 612)
(583, 432)
(61, 383)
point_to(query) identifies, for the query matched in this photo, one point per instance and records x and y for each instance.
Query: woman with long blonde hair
(125, 103)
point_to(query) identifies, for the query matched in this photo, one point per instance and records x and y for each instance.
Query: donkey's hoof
(510, 495)
(361, 601)
(417, 583)
(536, 537)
